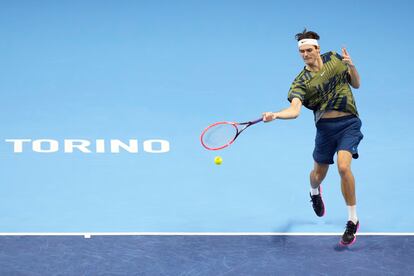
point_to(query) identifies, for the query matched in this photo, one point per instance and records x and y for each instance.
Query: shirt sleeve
(297, 90)
(338, 56)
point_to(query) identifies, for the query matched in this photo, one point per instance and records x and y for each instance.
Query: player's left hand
(346, 57)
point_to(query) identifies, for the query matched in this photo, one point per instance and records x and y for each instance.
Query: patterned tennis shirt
(327, 89)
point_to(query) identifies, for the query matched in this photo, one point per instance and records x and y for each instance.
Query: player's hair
(306, 34)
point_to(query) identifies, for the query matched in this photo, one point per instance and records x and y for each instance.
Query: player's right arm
(292, 112)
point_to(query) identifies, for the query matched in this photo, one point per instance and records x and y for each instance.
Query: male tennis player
(323, 86)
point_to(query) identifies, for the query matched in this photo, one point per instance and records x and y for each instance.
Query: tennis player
(323, 86)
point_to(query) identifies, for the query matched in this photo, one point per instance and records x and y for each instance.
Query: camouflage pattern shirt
(327, 89)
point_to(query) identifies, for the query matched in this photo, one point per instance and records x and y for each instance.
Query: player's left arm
(352, 71)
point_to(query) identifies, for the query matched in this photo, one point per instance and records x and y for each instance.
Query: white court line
(89, 234)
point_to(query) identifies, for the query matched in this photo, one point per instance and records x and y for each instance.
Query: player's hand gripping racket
(222, 134)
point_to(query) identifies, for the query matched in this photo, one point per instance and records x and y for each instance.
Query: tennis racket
(222, 134)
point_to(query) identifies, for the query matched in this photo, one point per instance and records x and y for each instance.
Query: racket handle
(256, 121)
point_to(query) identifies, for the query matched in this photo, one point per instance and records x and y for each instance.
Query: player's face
(309, 54)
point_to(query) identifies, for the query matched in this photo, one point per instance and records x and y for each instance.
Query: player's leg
(347, 178)
(348, 149)
(323, 153)
(317, 175)
(348, 192)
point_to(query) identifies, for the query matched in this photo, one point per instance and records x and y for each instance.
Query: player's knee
(344, 169)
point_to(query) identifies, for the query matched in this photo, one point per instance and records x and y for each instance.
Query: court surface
(108, 100)
(205, 255)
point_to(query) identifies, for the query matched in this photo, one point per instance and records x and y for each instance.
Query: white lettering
(79, 144)
(17, 144)
(100, 146)
(131, 147)
(51, 145)
(87, 146)
(164, 146)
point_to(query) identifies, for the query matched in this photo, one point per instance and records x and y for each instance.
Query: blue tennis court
(205, 255)
(102, 169)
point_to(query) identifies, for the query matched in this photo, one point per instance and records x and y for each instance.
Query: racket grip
(256, 121)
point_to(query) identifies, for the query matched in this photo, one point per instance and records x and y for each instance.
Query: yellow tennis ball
(218, 160)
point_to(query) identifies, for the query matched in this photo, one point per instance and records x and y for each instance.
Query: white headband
(308, 41)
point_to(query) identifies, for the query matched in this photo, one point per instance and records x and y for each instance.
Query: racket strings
(219, 135)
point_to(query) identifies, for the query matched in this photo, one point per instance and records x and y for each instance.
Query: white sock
(314, 191)
(352, 215)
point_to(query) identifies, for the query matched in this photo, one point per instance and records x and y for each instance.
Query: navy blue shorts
(334, 134)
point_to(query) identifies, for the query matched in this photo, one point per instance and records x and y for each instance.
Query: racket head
(219, 135)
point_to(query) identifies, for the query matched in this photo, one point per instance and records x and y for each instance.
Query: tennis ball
(218, 160)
